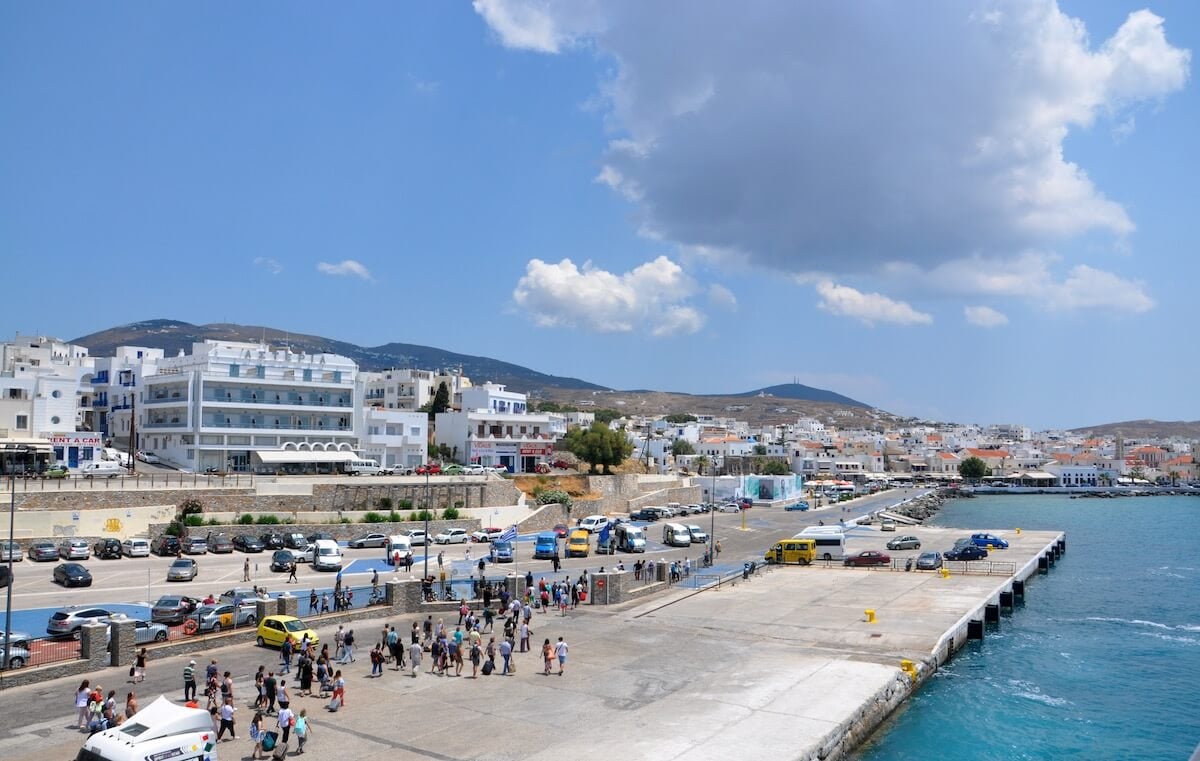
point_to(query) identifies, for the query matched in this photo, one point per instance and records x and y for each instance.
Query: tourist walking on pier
(81, 703)
(246, 570)
(547, 656)
(189, 682)
(560, 650)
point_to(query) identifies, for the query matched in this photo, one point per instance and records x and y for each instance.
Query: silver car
(214, 618)
(74, 549)
(183, 569)
(19, 657)
(18, 639)
(144, 632)
(10, 551)
(66, 622)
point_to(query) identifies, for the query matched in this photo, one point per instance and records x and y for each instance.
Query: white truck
(101, 468)
(159, 731)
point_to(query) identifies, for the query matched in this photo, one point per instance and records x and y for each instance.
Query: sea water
(1101, 662)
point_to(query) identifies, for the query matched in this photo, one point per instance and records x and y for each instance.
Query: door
(72, 457)
(779, 553)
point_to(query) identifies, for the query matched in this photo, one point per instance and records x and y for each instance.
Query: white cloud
(817, 137)
(424, 86)
(985, 317)
(869, 308)
(344, 267)
(1089, 288)
(720, 296)
(651, 298)
(268, 264)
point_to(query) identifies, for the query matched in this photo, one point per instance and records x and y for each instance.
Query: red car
(432, 469)
(869, 557)
(561, 530)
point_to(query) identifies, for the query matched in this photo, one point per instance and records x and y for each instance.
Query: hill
(174, 336)
(805, 393)
(1145, 429)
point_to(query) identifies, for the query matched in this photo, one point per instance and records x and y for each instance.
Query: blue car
(965, 552)
(989, 541)
(797, 507)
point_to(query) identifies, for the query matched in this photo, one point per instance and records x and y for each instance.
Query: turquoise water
(1102, 661)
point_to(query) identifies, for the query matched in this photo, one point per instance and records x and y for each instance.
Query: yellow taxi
(795, 550)
(273, 630)
(579, 543)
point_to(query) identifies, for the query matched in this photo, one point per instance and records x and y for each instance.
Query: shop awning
(281, 456)
(19, 445)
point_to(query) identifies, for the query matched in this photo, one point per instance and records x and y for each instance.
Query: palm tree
(701, 463)
(1174, 476)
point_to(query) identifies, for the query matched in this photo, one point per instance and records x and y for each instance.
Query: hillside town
(245, 407)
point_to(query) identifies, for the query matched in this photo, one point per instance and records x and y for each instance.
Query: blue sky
(972, 211)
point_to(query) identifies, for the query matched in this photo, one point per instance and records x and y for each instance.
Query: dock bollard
(910, 668)
(870, 614)
(945, 573)
(1018, 530)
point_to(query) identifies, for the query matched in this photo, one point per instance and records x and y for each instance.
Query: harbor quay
(794, 662)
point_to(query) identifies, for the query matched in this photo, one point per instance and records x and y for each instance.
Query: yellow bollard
(945, 573)
(910, 668)
(1018, 531)
(870, 614)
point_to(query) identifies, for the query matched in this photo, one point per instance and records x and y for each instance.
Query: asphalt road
(136, 582)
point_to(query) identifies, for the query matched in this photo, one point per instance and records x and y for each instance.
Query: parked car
(136, 547)
(282, 559)
(989, 541)
(561, 530)
(868, 557)
(183, 569)
(5, 576)
(42, 551)
(320, 535)
(10, 551)
(486, 534)
(55, 471)
(271, 540)
(18, 658)
(214, 618)
(965, 552)
(273, 630)
(149, 457)
(474, 470)
(247, 543)
(295, 541)
(416, 536)
(644, 515)
(107, 549)
(18, 639)
(173, 609)
(432, 469)
(144, 632)
(194, 545)
(219, 543)
(65, 622)
(74, 549)
(904, 543)
(929, 561)
(373, 539)
(797, 507)
(729, 507)
(451, 536)
(237, 595)
(454, 470)
(887, 524)
(165, 546)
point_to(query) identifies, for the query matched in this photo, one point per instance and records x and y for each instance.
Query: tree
(679, 418)
(775, 468)
(760, 449)
(599, 446)
(606, 415)
(972, 469)
(441, 400)
(682, 446)
(701, 462)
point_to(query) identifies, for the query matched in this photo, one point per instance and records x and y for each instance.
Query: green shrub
(413, 516)
(190, 507)
(267, 519)
(374, 517)
(213, 522)
(404, 504)
(395, 517)
(552, 496)
(174, 528)
(423, 515)
(193, 520)
(450, 513)
(345, 520)
(384, 503)
(459, 504)
(245, 519)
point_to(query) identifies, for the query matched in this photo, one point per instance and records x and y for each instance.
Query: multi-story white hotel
(494, 428)
(240, 406)
(409, 389)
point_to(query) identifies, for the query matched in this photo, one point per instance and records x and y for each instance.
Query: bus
(831, 543)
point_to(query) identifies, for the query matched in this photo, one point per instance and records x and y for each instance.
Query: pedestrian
(226, 686)
(463, 611)
(376, 661)
(414, 657)
(324, 602)
(547, 656)
(211, 688)
(285, 721)
(428, 628)
(131, 704)
(312, 602)
(339, 689)
(228, 709)
(260, 698)
(323, 676)
(555, 564)
(81, 703)
(482, 568)
(283, 697)
(348, 647)
(291, 572)
(285, 656)
(506, 656)
(339, 642)
(269, 686)
(138, 672)
(525, 633)
(189, 681)
(476, 659)
(257, 731)
(302, 730)
(305, 667)
(441, 554)
(246, 570)
(560, 650)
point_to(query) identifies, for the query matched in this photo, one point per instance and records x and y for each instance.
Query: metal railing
(136, 481)
(41, 651)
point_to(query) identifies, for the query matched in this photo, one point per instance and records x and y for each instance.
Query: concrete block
(122, 641)
(288, 605)
(93, 640)
(264, 608)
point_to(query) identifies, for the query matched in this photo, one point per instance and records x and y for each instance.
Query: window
(261, 371)
(308, 375)
(22, 422)
(54, 420)
(56, 393)
(234, 371)
(191, 454)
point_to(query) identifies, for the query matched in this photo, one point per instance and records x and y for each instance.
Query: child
(302, 729)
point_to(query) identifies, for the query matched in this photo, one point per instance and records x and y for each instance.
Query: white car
(486, 534)
(149, 457)
(452, 536)
(729, 508)
(474, 470)
(416, 536)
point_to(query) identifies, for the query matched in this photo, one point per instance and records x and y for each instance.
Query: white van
(630, 538)
(102, 468)
(160, 730)
(397, 544)
(117, 456)
(593, 523)
(326, 555)
(676, 535)
(363, 468)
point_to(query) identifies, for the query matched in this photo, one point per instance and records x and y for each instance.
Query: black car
(271, 541)
(644, 515)
(247, 543)
(965, 552)
(281, 560)
(219, 543)
(72, 575)
(296, 541)
(107, 549)
(165, 546)
(5, 576)
(312, 538)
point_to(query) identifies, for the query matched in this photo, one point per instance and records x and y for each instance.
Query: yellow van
(579, 543)
(795, 550)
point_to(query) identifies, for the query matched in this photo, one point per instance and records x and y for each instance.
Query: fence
(166, 480)
(982, 567)
(41, 651)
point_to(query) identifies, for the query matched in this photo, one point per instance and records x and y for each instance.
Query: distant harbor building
(409, 389)
(116, 384)
(394, 438)
(495, 428)
(236, 406)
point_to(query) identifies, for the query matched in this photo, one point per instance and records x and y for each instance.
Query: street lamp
(426, 512)
(712, 516)
(12, 514)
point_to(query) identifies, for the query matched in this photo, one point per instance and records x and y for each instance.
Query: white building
(116, 382)
(246, 406)
(409, 389)
(494, 428)
(394, 438)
